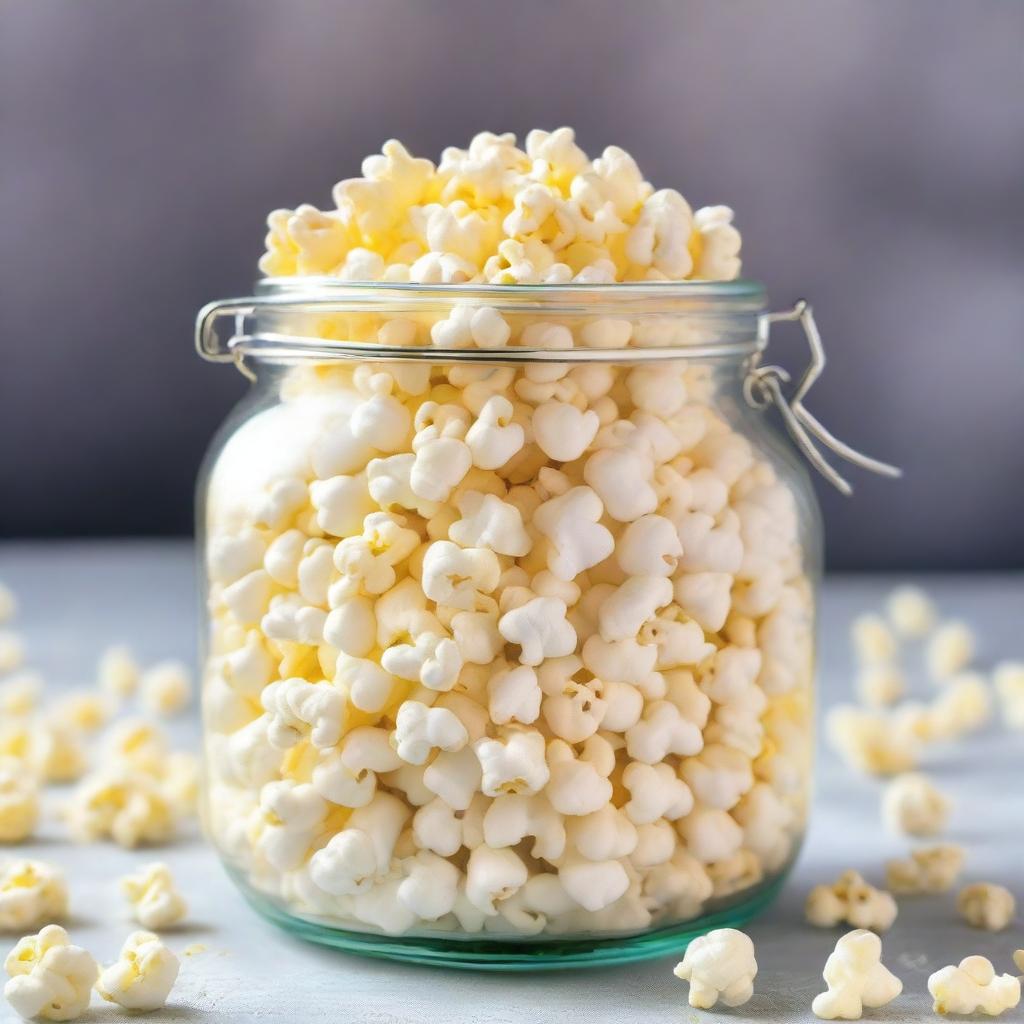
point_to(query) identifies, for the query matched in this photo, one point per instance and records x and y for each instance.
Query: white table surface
(78, 598)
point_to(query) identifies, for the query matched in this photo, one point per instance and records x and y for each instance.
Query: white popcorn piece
(929, 869)
(31, 893)
(852, 901)
(50, 978)
(117, 672)
(494, 438)
(288, 819)
(718, 244)
(880, 685)
(594, 885)
(249, 597)
(635, 602)
(456, 577)
(514, 696)
(540, 629)
(649, 546)
(873, 640)
(514, 816)
(987, 906)
(718, 776)
(911, 611)
(19, 801)
(298, 708)
(720, 966)
(351, 627)
(872, 741)
(430, 887)
(143, 975)
(662, 731)
(571, 522)
(381, 421)
(489, 522)
(856, 978)
(562, 431)
(492, 876)
(166, 688)
(963, 706)
(439, 467)
(515, 764)
(972, 986)
(154, 897)
(435, 661)
(949, 650)
(342, 502)
(622, 479)
(420, 729)
(911, 804)
(655, 792)
(1008, 678)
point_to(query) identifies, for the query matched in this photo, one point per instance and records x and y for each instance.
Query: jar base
(503, 955)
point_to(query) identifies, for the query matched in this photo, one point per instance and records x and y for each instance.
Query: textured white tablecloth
(77, 598)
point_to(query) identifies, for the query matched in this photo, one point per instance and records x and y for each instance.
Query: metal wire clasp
(763, 387)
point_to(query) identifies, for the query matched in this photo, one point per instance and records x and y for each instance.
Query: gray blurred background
(873, 151)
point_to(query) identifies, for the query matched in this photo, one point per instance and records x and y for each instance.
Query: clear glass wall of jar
(510, 600)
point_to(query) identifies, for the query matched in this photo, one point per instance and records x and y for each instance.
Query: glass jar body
(507, 662)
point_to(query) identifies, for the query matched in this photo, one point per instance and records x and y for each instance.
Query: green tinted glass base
(493, 954)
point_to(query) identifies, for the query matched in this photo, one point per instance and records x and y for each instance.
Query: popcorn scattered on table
(117, 672)
(19, 694)
(876, 742)
(166, 688)
(31, 893)
(19, 801)
(155, 899)
(911, 611)
(1009, 683)
(873, 640)
(719, 966)
(880, 685)
(853, 901)
(50, 977)
(912, 804)
(143, 975)
(973, 987)
(121, 803)
(988, 906)
(856, 978)
(929, 869)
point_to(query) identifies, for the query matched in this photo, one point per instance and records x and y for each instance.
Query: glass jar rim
(730, 313)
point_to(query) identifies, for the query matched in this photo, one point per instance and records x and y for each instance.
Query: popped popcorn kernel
(973, 986)
(911, 804)
(856, 978)
(49, 976)
(987, 906)
(31, 893)
(719, 966)
(143, 975)
(911, 611)
(155, 899)
(929, 869)
(851, 900)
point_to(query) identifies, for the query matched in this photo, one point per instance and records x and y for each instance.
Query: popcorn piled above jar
(501, 643)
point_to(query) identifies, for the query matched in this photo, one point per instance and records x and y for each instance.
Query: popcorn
(455, 576)
(156, 902)
(514, 696)
(578, 785)
(911, 804)
(297, 708)
(873, 642)
(987, 906)
(419, 729)
(719, 966)
(949, 649)
(31, 893)
(540, 629)
(594, 885)
(853, 901)
(973, 986)
(963, 706)
(871, 741)
(929, 869)
(288, 819)
(562, 431)
(880, 685)
(19, 694)
(911, 611)
(143, 976)
(621, 478)
(49, 977)
(514, 765)
(856, 978)
(123, 803)
(571, 522)
(494, 437)
(117, 672)
(1009, 683)
(19, 802)
(489, 522)
(655, 792)
(514, 816)
(493, 876)
(165, 688)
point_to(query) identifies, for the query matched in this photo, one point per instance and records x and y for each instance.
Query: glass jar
(510, 599)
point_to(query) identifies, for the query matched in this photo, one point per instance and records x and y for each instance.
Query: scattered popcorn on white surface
(987, 906)
(850, 900)
(856, 978)
(913, 805)
(928, 869)
(165, 688)
(880, 685)
(949, 650)
(32, 892)
(50, 977)
(154, 897)
(121, 803)
(20, 693)
(963, 706)
(973, 986)
(143, 975)
(1009, 683)
(719, 966)
(872, 741)
(911, 611)
(19, 801)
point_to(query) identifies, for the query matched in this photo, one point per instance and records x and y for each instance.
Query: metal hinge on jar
(763, 387)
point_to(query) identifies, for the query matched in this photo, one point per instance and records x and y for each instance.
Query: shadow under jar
(510, 601)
